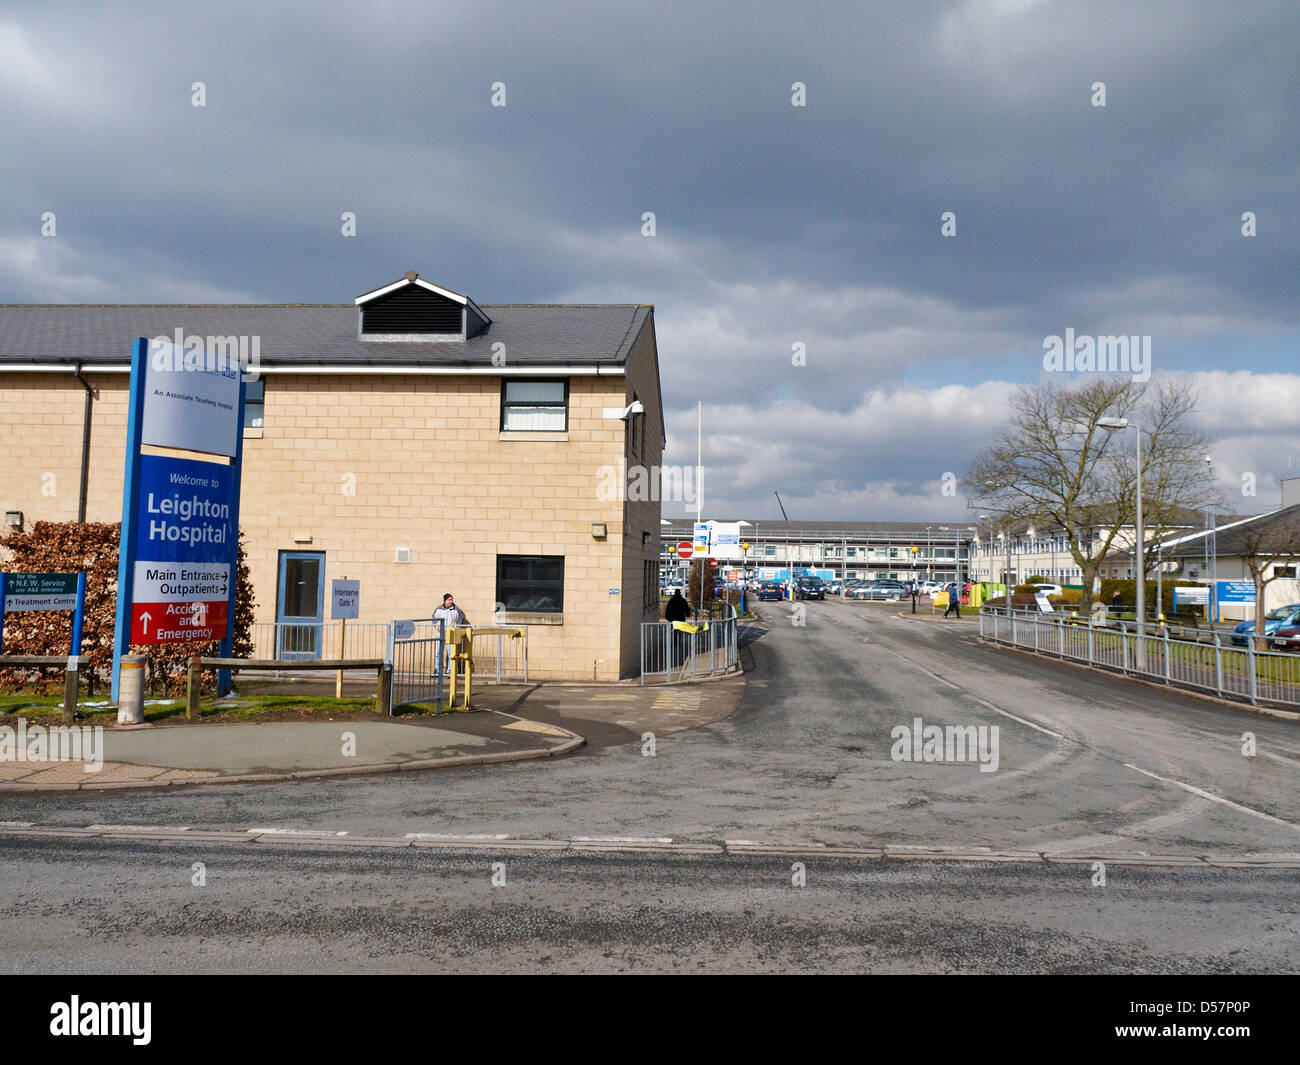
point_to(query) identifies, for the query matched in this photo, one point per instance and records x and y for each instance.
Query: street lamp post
(1139, 550)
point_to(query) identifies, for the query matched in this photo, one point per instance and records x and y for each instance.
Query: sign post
(345, 603)
(176, 574)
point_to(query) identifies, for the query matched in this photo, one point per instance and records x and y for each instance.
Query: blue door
(300, 604)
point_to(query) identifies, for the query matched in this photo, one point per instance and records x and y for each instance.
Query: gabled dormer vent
(415, 310)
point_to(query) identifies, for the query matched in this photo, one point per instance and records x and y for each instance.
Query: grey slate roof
(1264, 533)
(310, 335)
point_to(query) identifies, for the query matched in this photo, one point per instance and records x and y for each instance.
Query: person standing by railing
(449, 614)
(677, 609)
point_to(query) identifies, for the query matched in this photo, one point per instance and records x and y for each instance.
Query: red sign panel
(685, 549)
(178, 622)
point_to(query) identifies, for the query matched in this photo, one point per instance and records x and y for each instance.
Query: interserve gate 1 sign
(180, 516)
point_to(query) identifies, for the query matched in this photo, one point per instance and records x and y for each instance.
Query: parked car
(810, 588)
(1286, 639)
(769, 590)
(833, 587)
(931, 587)
(878, 590)
(1281, 617)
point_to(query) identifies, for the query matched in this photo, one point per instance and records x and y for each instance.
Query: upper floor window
(254, 403)
(535, 406)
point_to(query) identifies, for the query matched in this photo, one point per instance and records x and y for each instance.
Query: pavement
(510, 723)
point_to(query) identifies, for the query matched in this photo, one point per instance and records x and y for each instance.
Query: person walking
(449, 614)
(954, 600)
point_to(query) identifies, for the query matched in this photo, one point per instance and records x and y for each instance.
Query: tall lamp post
(1139, 550)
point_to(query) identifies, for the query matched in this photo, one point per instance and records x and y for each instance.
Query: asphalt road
(1089, 766)
(806, 758)
(97, 907)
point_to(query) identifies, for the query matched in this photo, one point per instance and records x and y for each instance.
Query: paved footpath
(511, 722)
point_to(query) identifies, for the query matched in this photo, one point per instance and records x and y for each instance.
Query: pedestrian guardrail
(1206, 663)
(500, 655)
(672, 652)
(419, 664)
(320, 639)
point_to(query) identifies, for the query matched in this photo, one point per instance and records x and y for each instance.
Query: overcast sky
(776, 225)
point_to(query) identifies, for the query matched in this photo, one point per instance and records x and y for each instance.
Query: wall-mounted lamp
(621, 413)
(598, 530)
(14, 518)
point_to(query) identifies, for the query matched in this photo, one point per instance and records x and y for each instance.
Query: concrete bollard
(130, 691)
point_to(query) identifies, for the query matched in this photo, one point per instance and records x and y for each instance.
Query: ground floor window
(531, 583)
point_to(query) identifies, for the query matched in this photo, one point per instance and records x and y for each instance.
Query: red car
(1287, 639)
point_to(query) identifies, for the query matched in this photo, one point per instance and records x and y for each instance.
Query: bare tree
(1053, 462)
(1270, 547)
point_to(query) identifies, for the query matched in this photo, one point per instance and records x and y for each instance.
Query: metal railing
(322, 639)
(498, 657)
(1205, 662)
(672, 655)
(419, 667)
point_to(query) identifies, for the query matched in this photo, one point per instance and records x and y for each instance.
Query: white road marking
(291, 832)
(140, 828)
(450, 835)
(621, 839)
(1212, 797)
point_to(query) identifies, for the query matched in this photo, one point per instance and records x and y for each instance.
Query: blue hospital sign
(180, 516)
(184, 555)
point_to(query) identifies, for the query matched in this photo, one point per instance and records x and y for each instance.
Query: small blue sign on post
(44, 591)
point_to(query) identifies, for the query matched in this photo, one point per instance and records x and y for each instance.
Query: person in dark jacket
(678, 609)
(954, 600)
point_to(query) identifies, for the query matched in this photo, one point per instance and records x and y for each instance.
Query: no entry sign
(685, 549)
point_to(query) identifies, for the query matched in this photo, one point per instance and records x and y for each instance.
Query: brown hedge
(92, 548)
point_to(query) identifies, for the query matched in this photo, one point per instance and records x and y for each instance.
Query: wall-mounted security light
(14, 519)
(598, 530)
(621, 413)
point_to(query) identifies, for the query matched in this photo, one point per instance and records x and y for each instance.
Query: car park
(1281, 617)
